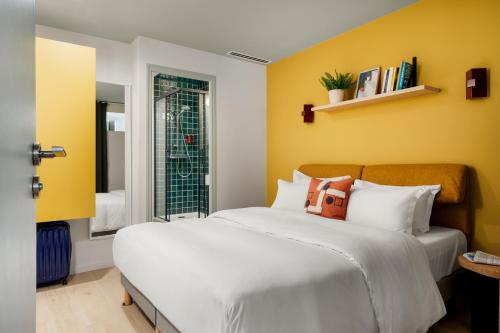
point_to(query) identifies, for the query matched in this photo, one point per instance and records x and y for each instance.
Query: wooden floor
(452, 323)
(91, 302)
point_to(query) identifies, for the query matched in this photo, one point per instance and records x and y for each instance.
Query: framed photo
(367, 83)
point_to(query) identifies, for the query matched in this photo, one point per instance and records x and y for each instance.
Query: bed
(110, 212)
(265, 270)
(443, 245)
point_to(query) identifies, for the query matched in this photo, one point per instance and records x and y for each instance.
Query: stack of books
(397, 78)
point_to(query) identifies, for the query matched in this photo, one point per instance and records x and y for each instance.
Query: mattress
(443, 246)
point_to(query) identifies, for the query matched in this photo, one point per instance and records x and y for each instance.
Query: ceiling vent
(246, 57)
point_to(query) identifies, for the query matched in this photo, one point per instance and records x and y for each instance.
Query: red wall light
(308, 113)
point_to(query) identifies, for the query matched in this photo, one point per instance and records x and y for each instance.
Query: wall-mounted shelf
(379, 98)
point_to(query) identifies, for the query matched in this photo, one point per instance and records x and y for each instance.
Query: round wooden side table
(485, 295)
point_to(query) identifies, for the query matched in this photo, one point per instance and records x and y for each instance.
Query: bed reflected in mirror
(111, 213)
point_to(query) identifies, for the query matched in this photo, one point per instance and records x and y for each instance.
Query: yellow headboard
(452, 207)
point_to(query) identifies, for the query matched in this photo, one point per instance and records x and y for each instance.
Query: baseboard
(92, 266)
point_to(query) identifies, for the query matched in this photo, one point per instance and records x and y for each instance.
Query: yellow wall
(449, 37)
(65, 116)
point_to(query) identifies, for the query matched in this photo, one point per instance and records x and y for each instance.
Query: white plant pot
(336, 96)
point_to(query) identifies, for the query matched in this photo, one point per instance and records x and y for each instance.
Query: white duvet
(265, 270)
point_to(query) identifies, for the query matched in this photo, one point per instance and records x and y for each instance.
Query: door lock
(36, 187)
(39, 154)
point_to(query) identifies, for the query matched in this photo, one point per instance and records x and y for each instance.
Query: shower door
(180, 148)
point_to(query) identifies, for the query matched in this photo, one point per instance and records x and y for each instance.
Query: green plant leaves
(337, 81)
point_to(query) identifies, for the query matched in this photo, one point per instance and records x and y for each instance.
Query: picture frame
(367, 84)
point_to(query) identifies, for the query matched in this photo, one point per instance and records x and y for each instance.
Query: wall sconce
(308, 113)
(476, 83)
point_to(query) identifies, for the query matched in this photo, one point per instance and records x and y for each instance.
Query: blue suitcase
(53, 253)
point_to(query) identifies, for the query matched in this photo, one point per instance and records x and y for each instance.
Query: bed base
(133, 295)
(450, 288)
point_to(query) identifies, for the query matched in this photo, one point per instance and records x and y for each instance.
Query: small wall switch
(207, 180)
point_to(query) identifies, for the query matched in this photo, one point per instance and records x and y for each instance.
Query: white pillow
(290, 196)
(423, 209)
(381, 208)
(300, 178)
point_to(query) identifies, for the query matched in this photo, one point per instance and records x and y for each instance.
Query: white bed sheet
(443, 246)
(109, 211)
(264, 270)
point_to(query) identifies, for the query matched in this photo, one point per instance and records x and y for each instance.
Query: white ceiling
(270, 29)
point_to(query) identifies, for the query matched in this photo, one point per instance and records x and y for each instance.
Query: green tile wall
(174, 194)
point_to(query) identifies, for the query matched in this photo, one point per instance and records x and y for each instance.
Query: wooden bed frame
(452, 209)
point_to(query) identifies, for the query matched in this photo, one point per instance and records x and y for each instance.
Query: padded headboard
(451, 177)
(452, 207)
(332, 170)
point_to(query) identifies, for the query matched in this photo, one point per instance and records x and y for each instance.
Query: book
(390, 79)
(404, 76)
(408, 76)
(387, 86)
(401, 76)
(395, 80)
(413, 76)
(386, 77)
(383, 82)
(482, 258)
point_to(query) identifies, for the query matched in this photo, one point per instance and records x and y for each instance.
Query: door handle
(38, 154)
(36, 187)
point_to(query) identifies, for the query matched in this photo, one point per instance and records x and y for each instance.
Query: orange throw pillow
(328, 198)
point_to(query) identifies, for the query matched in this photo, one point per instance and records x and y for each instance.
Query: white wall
(115, 107)
(240, 128)
(88, 255)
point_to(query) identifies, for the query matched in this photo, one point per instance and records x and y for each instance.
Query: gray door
(17, 132)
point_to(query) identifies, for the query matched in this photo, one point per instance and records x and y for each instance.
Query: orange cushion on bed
(328, 198)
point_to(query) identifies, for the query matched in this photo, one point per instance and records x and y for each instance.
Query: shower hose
(179, 128)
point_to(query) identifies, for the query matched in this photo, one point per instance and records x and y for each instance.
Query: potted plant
(336, 85)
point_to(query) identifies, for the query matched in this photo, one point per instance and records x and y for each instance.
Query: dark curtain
(101, 148)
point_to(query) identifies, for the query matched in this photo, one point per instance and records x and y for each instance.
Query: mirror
(111, 212)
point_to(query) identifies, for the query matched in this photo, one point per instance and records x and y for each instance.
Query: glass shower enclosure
(181, 149)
